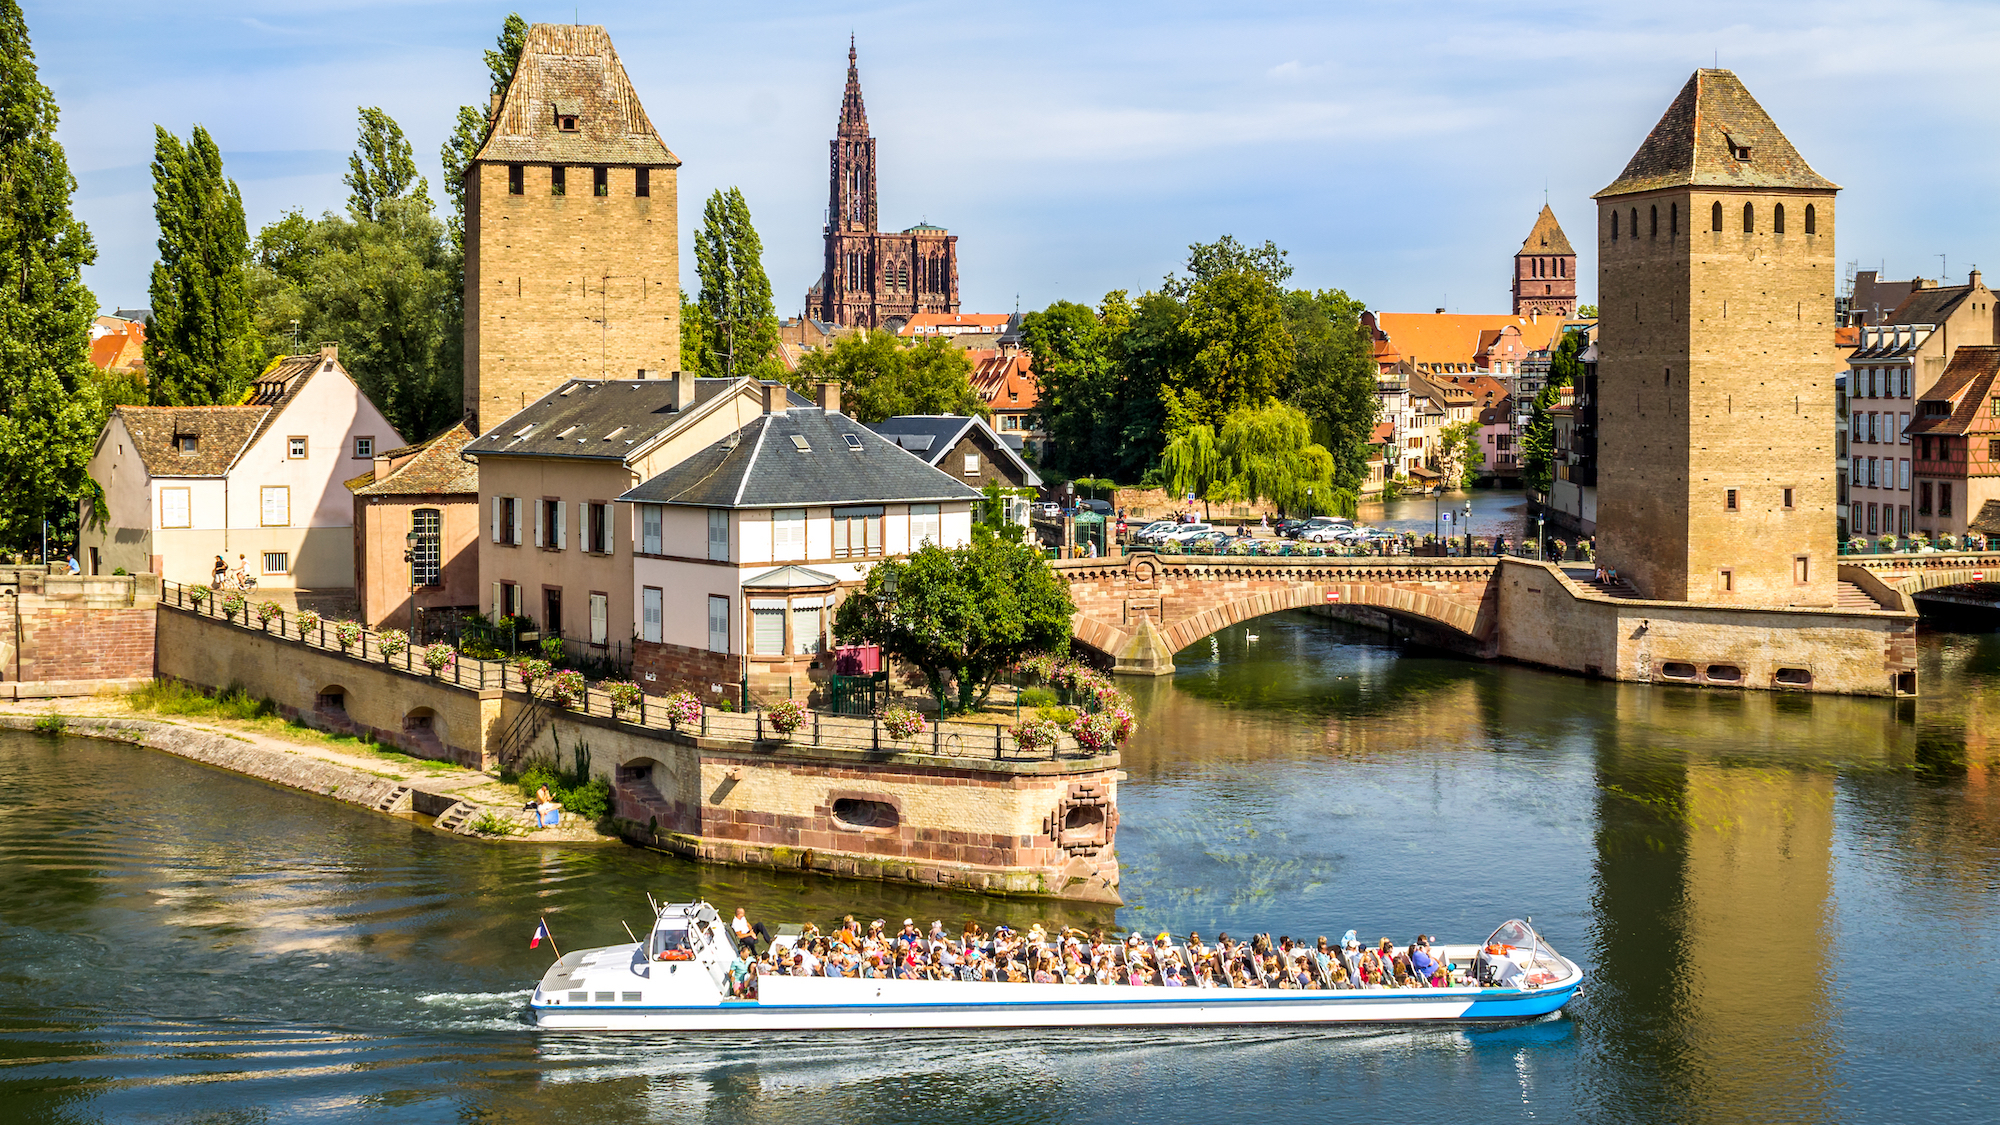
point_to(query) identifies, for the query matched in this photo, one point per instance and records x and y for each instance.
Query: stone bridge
(1914, 574)
(1143, 608)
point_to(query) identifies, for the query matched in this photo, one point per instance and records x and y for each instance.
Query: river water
(1788, 906)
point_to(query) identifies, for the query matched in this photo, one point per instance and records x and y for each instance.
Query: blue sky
(1397, 150)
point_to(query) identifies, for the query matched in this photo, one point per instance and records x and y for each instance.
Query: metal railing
(961, 740)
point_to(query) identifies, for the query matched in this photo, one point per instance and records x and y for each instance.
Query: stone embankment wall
(63, 634)
(1546, 618)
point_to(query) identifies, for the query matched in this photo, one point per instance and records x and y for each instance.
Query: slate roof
(1692, 146)
(1929, 306)
(574, 69)
(433, 468)
(1987, 522)
(1966, 386)
(578, 418)
(221, 435)
(1547, 237)
(931, 436)
(761, 466)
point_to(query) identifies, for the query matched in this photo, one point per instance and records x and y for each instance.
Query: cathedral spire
(853, 115)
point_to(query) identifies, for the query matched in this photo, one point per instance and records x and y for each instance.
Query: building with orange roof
(1460, 343)
(966, 329)
(118, 345)
(1004, 378)
(1545, 270)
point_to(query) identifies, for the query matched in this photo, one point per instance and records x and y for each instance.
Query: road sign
(1332, 596)
(1979, 576)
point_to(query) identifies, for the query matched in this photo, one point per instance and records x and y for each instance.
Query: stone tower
(872, 278)
(572, 236)
(1545, 270)
(1716, 279)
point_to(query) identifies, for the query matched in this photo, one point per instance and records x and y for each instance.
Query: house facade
(1956, 440)
(970, 451)
(746, 546)
(557, 550)
(261, 485)
(429, 491)
(1881, 385)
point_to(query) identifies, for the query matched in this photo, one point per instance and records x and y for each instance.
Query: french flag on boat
(541, 931)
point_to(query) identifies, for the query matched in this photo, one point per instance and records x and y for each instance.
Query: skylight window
(799, 443)
(853, 441)
(567, 430)
(524, 431)
(614, 433)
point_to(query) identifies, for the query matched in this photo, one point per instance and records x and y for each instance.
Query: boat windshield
(1519, 941)
(671, 944)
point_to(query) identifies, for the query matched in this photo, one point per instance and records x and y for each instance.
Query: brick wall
(56, 628)
(664, 668)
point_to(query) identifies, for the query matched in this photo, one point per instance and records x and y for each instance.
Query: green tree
(1538, 442)
(50, 410)
(735, 299)
(1269, 454)
(697, 337)
(1210, 260)
(991, 511)
(962, 615)
(1193, 463)
(200, 345)
(1587, 312)
(1333, 379)
(381, 168)
(1241, 350)
(1459, 452)
(881, 377)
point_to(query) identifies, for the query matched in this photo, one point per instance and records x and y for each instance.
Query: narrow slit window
(1729, 500)
(1778, 219)
(1749, 219)
(516, 179)
(558, 180)
(1812, 220)
(600, 181)
(642, 182)
(1715, 217)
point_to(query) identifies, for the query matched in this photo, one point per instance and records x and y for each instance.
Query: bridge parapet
(1914, 572)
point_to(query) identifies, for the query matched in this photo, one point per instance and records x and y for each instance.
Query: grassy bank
(237, 709)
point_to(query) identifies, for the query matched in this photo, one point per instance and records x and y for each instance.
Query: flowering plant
(267, 610)
(566, 687)
(623, 693)
(788, 716)
(347, 633)
(1042, 667)
(902, 723)
(1947, 543)
(682, 707)
(532, 670)
(197, 595)
(438, 657)
(232, 605)
(1037, 735)
(392, 641)
(308, 621)
(1096, 733)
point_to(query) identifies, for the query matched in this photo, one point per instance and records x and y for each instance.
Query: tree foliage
(380, 282)
(50, 410)
(1459, 451)
(1538, 442)
(1261, 453)
(738, 324)
(381, 168)
(962, 615)
(881, 377)
(200, 345)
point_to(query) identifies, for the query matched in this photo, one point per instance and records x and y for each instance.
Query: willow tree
(1270, 452)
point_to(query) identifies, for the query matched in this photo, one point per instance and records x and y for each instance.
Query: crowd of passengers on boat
(1073, 956)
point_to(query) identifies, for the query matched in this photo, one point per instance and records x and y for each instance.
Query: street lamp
(1541, 553)
(410, 556)
(1468, 526)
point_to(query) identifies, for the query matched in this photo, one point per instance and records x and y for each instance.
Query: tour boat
(677, 980)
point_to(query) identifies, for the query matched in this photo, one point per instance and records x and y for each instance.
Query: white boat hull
(821, 1004)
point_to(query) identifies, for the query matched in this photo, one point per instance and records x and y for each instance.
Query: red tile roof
(1006, 382)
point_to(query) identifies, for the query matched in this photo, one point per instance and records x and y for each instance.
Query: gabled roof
(282, 381)
(221, 435)
(932, 436)
(572, 70)
(1929, 306)
(598, 419)
(800, 458)
(1547, 237)
(431, 468)
(996, 374)
(790, 578)
(1886, 341)
(1967, 384)
(1695, 143)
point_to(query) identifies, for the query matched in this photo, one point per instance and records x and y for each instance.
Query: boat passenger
(1422, 964)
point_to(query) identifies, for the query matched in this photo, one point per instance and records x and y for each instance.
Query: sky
(1398, 151)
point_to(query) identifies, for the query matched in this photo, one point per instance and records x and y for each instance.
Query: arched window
(1614, 226)
(1778, 219)
(1715, 216)
(1635, 222)
(1653, 222)
(1749, 219)
(1674, 219)
(903, 278)
(1812, 220)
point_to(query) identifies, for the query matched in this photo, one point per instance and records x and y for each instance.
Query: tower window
(1788, 498)
(600, 180)
(642, 182)
(558, 181)
(515, 184)
(1635, 222)
(1653, 222)
(1812, 220)
(1729, 500)
(1715, 217)
(1614, 226)
(1749, 219)
(1674, 219)
(1740, 152)
(1778, 219)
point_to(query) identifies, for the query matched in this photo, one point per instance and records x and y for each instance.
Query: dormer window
(185, 443)
(1740, 152)
(566, 122)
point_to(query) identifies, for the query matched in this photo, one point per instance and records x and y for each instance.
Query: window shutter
(562, 524)
(496, 530)
(600, 619)
(517, 521)
(769, 630)
(608, 514)
(650, 628)
(541, 507)
(718, 623)
(499, 608)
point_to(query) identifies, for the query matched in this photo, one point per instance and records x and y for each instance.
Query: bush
(1038, 697)
(348, 633)
(267, 610)
(552, 649)
(120, 570)
(439, 657)
(575, 790)
(683, 707)
(902, 723)
(171, 697)
(487, 824)
(566, 688)
(232, 604)
(1061, 716)
(624, 694)
(307, 622)
(392, 642)
(51, 725)
(531, 670)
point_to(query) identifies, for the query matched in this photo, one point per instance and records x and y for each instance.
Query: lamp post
(410, 556)
(1468, 527)
(1541, 553)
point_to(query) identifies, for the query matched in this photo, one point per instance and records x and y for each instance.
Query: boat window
(675, 944)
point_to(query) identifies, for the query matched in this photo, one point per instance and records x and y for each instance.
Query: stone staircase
(455, 818)
(1853, 597)
(396, 800)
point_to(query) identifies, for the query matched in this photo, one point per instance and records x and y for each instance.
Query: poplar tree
(48, 412)
(735, 294)
(469, 131)
(381, 168)
(200, 346)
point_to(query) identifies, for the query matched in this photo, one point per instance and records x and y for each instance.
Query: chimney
(682, 395)
(1973, 279)
(829, 397)
(493, 108)
(774, 398)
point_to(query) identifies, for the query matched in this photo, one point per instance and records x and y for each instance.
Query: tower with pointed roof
(572, 234)
(873, 278)
(1545, 270)
(1716, 282)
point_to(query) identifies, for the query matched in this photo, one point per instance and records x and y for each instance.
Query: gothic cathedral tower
(1716, 280)
(1545, 270)
(874, 279)
(572, 233)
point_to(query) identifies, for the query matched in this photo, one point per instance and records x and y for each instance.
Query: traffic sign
(1332, 596)
(1979, 576)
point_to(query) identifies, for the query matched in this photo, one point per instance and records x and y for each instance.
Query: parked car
(1287, 528)
(1100, 507)
(1045, 509)
(1151, 532)
(1324, 529)
(1182, 533)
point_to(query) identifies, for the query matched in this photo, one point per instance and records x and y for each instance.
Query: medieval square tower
(1716, 282)
(572, 233)
(1545, 270)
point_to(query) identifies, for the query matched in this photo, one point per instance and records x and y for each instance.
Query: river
(1788, 906)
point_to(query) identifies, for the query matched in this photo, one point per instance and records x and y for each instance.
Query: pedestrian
(219, 575)
(74, 566)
